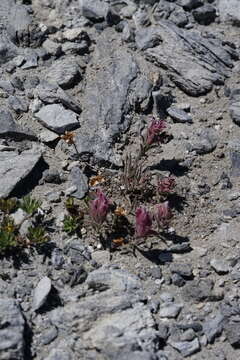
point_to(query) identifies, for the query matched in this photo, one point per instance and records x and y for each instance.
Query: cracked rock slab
(11, 330)
(14, 168)
(112, 90)
(198, 62)
(56, 118)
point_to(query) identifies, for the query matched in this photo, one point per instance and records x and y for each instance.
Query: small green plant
(8, 205)
(7, 234)
(30, 205)
(71, 224)
(7, 240)
(36, 235)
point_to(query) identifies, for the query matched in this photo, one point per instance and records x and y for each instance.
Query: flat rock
(14, 168)
(229, 11)
(213, 327)
(232, 331)
(112, 319)
(93, 9)
(41, 293)
(179, 115)
(205, 142)
(52, 94)
(186, 348)
(10, 129)
(65, 73)
(78, 179)
(11, 330)
(170, 310)
(234, 106)
(220, 266)
(111, 92)
(198, 63)
(55, 117)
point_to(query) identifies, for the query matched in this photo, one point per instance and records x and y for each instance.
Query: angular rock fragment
(186, 348)
(113, 321)
(41, 293)
(51, 94)
(64, 73)
(57, 119)
(229, 11)
(198, 62)
(80, 180)
(109, 96)
(11, 330)
(14, 168)
(9, 129)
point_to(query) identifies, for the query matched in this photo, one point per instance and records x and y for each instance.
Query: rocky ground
(103, 68)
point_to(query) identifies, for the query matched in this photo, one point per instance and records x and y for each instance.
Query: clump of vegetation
(10, 237)
(29, 205)
(145, 209)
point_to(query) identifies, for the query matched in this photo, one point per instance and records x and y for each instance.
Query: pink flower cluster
(144, 220)
(154, 130)
(99, 208)
(166, 185)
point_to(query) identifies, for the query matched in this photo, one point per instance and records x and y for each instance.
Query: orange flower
(96, 180)
(119, 241)
(120, 211)
(68, 137)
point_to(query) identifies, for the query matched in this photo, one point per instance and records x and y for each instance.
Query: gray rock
(118, 279)
(199, 63)
(205, 14)
(170, 310)
(80, 180)
(55, 117)
(60, 354)
(234, 106)
(109, 96)
(9, 129)
(213, 327)
(18, 18)
(186, 348)
(183, 269)
(7, 49)
(52, 47)
(64, 73)
(166, 297)
(93, 9)
(57, 258)
(206, 141)
(19, 216)
(41, 293)
(7, 87)
(220, 266)
(200, 290)
(18, 104)
(229, 11)
(232, 331)
(190, 4)
(12, 342)
(51, 94)
(14, 168)
(47, 136)
(111, 319)
(188, 335)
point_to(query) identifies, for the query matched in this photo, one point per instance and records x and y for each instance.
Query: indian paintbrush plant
(102, 215)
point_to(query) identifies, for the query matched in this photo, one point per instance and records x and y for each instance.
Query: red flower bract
(162, 214)
(166, 185)
(143, 225)
(155, 129)
(99, 208)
